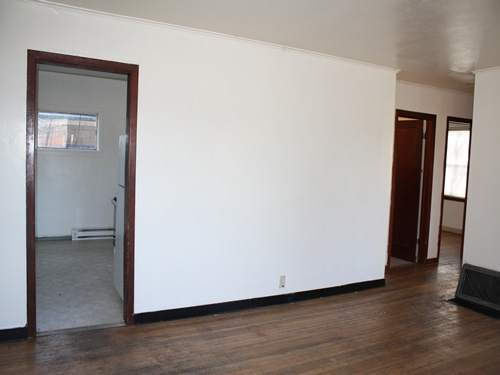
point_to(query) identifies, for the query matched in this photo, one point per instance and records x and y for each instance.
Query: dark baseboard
(13, 334)
(217, 308)
(431, 261)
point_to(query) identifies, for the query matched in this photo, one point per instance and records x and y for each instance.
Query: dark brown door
(407, 171)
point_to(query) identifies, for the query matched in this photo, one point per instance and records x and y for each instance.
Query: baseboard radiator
(479, 286)
(92, 234)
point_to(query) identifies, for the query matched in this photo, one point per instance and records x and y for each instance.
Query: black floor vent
(480, 286)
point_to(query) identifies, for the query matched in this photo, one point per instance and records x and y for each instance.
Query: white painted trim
(208, 33)
(485, 70)
(451, 229)
(434, 87)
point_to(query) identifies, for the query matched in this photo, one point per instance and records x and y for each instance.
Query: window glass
(67, 131)
(457, 159)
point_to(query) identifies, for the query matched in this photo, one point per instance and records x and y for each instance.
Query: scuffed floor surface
(406, 327)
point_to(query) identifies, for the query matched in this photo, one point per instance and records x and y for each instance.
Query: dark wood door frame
(132, 71)
(466, 121)
(425, 206)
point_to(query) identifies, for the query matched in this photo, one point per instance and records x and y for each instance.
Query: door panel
(407, 172)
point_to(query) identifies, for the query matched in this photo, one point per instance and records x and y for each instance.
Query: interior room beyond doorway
(81, 116)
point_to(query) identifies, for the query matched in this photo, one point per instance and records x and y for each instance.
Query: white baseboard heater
(92, 234)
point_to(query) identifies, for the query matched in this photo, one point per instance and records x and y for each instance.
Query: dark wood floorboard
(407, 327)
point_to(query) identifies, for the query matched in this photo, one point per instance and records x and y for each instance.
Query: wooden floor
(406, 327)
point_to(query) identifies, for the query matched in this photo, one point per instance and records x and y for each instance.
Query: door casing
(132, 71)
(425, 205)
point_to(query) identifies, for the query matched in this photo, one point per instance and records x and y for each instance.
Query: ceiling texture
(432, 42)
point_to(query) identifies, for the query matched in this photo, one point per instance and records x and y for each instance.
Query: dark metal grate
(480, 286)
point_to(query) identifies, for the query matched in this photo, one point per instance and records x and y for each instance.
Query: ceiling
(433, 42)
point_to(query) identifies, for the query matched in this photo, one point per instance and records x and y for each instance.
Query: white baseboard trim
(451, 229)
(92, 233)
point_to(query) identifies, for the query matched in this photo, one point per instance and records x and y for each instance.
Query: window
(457, 160)
(58, 130)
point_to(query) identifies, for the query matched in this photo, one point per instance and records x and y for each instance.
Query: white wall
(442, 103)
(253, 161)
(453, 216)
(483, 206)
(74, 188)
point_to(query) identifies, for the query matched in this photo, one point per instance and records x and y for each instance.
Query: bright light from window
(457, 159)
(67, 131)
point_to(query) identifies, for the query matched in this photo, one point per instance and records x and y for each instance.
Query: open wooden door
(407, 178)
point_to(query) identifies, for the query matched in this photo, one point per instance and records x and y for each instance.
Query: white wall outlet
(282, 281)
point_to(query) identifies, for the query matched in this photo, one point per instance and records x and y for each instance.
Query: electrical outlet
(282, 281)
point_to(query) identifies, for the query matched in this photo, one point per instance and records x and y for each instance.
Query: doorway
(36, 59)
(455, 178)
(414, 138)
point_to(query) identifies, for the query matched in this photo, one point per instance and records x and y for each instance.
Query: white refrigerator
(120, 217)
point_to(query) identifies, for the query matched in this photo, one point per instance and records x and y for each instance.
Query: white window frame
(454, 126)
(72, 110)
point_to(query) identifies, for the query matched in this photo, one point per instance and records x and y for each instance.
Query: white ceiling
(432, 42)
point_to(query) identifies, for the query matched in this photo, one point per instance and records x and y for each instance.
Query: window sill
(68, 152)
(456, 199)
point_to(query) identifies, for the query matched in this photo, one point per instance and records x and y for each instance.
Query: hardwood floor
(405, 327)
